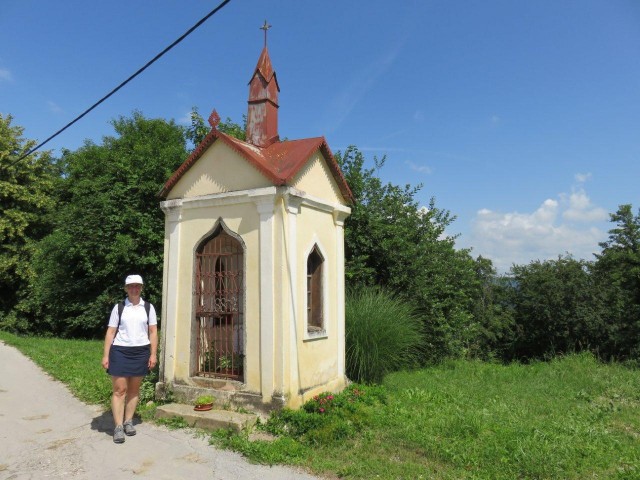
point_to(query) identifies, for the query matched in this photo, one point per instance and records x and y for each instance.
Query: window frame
(315, 308)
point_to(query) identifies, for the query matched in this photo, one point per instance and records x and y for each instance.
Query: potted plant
(204, 403)
(224, 363)
(208, 361)
(230, 364)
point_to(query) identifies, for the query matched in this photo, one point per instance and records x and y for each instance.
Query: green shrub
(293, 423)
(328, 417)
(383, 334)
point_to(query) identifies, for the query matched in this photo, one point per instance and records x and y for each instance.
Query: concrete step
(209, 420)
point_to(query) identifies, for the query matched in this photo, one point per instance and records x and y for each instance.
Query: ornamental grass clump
(383, 335)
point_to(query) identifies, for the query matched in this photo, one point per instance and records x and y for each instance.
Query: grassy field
(572, 418)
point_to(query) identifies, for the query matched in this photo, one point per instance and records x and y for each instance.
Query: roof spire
(262, 117)
(265, 27)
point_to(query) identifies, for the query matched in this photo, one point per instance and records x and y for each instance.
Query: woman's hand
(105, 362)
(153, 360)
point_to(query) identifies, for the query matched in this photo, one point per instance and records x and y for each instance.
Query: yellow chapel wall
(318, 228)
(220, 169)
(197, 223)
(316, 180)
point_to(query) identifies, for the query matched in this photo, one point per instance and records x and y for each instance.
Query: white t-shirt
(133, 331)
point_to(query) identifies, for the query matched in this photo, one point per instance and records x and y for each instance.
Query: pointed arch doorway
(219, 300)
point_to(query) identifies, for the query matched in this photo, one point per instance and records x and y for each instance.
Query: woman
(130, 348)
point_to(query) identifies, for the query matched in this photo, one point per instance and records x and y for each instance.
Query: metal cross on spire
(265, 27)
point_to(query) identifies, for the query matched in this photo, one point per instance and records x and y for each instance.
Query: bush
(383, 334)
(328, 417)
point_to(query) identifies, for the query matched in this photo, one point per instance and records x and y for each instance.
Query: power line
(148, 64)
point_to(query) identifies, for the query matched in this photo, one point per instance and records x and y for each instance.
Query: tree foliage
(27, 199)
(108, 225)
(493, 311)
(199, 129)
(392, 242)
(557, 308)
(618, 277)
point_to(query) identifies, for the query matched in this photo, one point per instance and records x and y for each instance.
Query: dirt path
(45, 432)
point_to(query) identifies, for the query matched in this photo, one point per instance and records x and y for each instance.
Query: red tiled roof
(279, 162)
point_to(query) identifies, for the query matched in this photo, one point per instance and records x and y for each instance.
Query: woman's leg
(118, 398)
(133, 392)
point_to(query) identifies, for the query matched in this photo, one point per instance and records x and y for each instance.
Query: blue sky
(520, 117)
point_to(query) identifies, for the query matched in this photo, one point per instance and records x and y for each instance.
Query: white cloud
(580, 208)
(54, 107)
(582, 177)
(556, 227)
(419, 168)
(5, 75)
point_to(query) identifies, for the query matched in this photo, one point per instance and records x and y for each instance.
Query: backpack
(147, 308)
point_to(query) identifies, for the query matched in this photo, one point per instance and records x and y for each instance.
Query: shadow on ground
(103, 423)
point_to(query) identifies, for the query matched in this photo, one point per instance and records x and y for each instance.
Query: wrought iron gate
(219, 301)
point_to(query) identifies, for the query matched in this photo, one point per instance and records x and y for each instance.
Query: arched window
(315, 317)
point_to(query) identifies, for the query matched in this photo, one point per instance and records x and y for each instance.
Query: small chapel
(253, 286)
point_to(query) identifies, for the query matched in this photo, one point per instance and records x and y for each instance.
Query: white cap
(133, 279)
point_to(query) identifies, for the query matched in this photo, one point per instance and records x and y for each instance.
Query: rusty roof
(264, 68)
(279, 162)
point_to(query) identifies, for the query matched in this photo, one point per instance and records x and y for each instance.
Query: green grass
(572, 418)
(75, 363)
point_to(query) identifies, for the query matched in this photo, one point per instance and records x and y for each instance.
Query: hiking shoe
(118, 434)
(128, 428)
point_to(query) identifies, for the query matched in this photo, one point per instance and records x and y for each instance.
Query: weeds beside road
(571, 418)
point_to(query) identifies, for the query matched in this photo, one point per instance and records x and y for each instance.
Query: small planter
(204, 403)
(203, 407)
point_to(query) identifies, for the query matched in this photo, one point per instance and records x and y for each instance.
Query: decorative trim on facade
(265, 206)
(293, 198)
(340, 215)
(340, 292)
(293, 207)
(173, 215)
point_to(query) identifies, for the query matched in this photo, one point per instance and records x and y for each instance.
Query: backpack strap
(120, 309)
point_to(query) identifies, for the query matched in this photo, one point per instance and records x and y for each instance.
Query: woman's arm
(108, 340)
(153, 338)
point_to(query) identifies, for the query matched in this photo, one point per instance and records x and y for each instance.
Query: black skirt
(129, 361)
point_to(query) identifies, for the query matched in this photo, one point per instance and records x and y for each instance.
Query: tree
(625, 237)
(392, 242)
(27, 198)
(618, 277)
(493, 311)
(108, 225)
(198, 129)
(557, 308)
